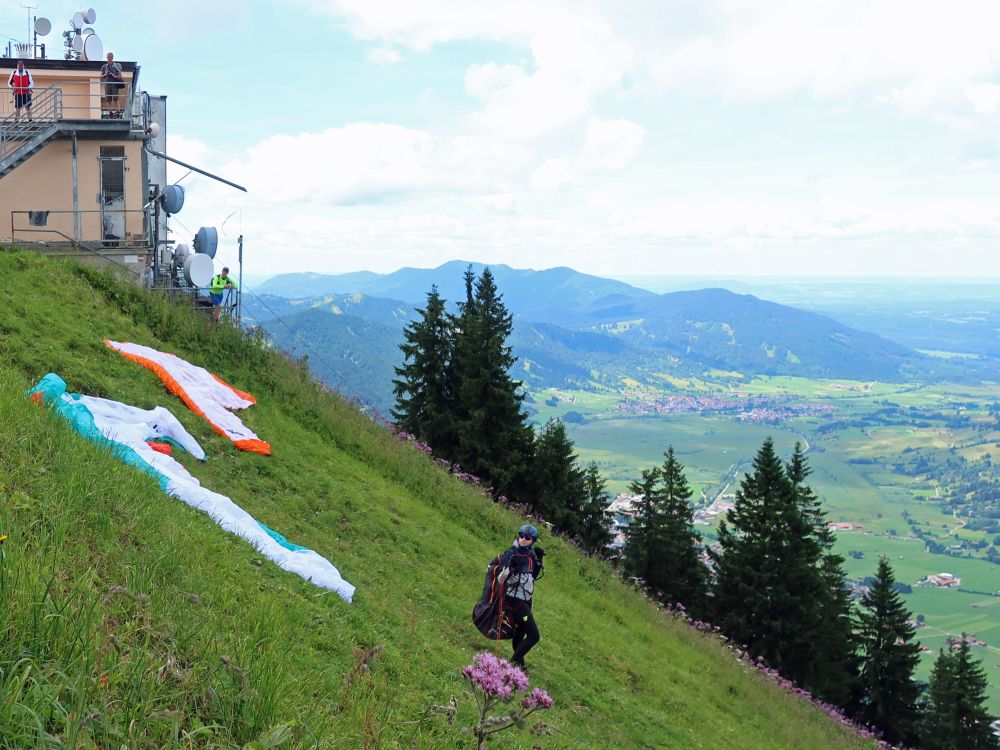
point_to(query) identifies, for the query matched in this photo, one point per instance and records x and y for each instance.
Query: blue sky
(690, 137)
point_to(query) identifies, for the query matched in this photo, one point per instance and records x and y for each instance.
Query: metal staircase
(20, 137)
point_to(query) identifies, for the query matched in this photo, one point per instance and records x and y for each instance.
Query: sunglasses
(524, 536)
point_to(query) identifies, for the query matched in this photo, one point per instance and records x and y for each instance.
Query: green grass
(129, 620)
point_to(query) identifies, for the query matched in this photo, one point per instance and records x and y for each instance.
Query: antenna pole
(239, 297)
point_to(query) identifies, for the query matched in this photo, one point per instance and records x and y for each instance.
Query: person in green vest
(220, 283)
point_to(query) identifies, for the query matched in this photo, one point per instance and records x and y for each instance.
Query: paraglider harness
(488, 614)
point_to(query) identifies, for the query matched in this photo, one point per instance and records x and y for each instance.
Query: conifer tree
(666, 555)
(595, 525)
(558, 483)
(956, 717)
(889, 656)
(835, 671)
(495, 441)
(768, 588)
(425, 399)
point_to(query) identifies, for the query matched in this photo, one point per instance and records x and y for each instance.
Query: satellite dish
(198, 270)
(181, 253)
(173, 199)
(90, 15)
(42, 26)
(93, 47)
(206, 242)
(88, 30)
(76, 21)
(77, 44)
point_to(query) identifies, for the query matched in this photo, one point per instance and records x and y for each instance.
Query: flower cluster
(538, 699)
(495, 682)
(496, 677)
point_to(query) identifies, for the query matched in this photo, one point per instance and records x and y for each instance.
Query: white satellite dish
(199, 269)
(76, 21)
(93, 47)
(90, 15)
(88, 30)
(77, 44)
(42, 26)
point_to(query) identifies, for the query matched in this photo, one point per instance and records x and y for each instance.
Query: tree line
(454, 392)
(773, 584)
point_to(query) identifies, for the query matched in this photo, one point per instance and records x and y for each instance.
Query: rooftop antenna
(82, 42)
(28, 7)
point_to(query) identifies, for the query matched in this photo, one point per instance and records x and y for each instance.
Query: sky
(829, 138)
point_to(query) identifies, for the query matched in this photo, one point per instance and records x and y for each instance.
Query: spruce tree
(768, 588)
(889, 656)
(558, 483)
(425, 399)
(956, 717)
(640, 542)
(495, 441)
(835, 668)
(665, 554)
(595, 525)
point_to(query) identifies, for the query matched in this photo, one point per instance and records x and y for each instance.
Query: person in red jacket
(21, 82)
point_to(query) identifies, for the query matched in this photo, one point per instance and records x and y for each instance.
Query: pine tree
(558, 483)
(666, 555)
(835, 666)
(595, 525)
(889, 656)
(425, 399)
(956, 717)
(768, 588)
(495, 441)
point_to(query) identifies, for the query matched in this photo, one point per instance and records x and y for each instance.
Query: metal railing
(83, 100)
(18, 128)
(91, 229)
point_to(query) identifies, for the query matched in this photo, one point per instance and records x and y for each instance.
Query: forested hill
(742, 332)
(129, 619)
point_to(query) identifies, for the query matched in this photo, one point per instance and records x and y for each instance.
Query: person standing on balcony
(113, 82)
(220, 283)
(21, 82)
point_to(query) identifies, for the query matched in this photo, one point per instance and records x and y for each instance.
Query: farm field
(861, 445)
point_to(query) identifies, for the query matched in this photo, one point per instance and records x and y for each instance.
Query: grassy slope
(207, 644)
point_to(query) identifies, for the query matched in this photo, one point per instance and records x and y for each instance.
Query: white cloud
(385, 55)
(914, 55)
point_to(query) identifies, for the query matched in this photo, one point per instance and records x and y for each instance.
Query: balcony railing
(80, 100)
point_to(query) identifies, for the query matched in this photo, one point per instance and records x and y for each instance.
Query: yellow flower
(3, 538)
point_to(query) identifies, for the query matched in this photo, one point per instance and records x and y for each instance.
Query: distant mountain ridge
(574, 329)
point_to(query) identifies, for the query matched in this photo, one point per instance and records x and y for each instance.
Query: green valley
(907, 464)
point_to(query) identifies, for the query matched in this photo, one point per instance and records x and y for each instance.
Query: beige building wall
(45, 183)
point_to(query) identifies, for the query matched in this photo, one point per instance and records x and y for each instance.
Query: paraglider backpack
(487, 614)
